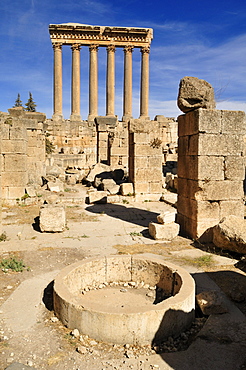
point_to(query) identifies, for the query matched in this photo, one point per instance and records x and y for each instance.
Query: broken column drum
(112, 313)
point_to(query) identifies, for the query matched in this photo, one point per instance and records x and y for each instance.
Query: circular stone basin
(137, 299)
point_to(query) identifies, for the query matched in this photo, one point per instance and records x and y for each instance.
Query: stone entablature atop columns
(76, 34)
(84, 34)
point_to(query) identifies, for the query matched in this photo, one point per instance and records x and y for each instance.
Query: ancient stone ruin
(200, 158)
(211, 167)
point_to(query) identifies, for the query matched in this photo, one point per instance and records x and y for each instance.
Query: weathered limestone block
(141, 187)
(231, 207)
(117, 150)
(97, 196)
(17, 132)
(14, 178)
(15, 162)
(200, 120)
(97, 169)
(71, 179)
(220, 144)
(54, 170)
(110, 186)
(203, 167)
(56, 186)
(148, 174)
(210, 190)
(233, 121)
(15, 192)
(5, 128)
(14, 146)
(31, 191)
(196, 229)
(195, 93)
(154, 162)
(211, 303)
(166, 217)
(198, 210)
(163, 232)
(126, 188)
(106, 175)
(146, 150)
(155, 187)
(52, 218)
(219, 190)
(234, 168)
(230, 234)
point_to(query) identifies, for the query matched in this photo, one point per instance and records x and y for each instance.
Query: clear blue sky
(205, 39)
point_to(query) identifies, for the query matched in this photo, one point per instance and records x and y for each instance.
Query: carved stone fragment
(195, 93)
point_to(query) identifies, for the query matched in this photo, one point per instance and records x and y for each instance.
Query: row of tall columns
(93, 82)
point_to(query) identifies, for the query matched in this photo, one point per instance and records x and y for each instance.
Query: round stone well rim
(133, 327)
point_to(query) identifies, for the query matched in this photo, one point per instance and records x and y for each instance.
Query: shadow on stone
(172, 324)
(35, 225)
(136, 216)
(48, 296)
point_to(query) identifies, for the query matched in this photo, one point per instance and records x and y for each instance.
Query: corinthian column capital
(76, 47)
(93, 47)
(57, 46)
(128, 49)
(111, 48)
(145, 50)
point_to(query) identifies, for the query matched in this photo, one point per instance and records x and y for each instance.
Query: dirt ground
(46, 343)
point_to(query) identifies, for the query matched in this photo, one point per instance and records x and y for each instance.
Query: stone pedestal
(210, 169)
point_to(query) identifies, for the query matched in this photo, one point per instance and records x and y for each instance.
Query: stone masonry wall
(145, 159)
(84, 143)
(22, 152)
(210, 169)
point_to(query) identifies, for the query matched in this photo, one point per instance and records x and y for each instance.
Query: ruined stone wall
(211, 169)
(74, 142)
(145, 159)
(22, 152)
(82, 144)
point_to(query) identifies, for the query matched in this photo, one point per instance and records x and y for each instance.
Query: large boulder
(230, 234)
(195, 93)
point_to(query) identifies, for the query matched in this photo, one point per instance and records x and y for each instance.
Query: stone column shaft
(57, 114)
(144, 92)
(110, 88)
(127, 109)
(93, 82)
(75, 91)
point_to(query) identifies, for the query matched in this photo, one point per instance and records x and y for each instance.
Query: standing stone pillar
(127, 109)
(145, 159)
(211, 170)
(57, 81)
(75, 98)
(93, 82)
(110, 93)
(144, 93)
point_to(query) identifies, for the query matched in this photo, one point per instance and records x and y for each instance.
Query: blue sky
(191, 38)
